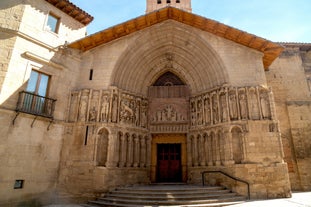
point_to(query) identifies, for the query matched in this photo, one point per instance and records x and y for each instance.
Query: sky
(275, 20)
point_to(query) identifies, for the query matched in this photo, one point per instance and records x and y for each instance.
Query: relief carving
(83, 105)
(233, 106)
(224, 110)
(73, 106)
(168, 114)
(199, 112)
(105, 108)
(265, 106)
(253, 104)
(243, 104)
(94, 106)
(144, 109)
(207, 110)
(215, 109)
(114, 109)
(193, 113)
(126, 111)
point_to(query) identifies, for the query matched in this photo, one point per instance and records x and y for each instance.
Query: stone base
(265, 181)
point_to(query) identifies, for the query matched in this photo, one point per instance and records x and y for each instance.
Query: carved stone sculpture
(243, 106)
(207, 111)
(265, 108)
(215, 110)
(105, 108)
(114, 110)
(233, 107)
(83, 106)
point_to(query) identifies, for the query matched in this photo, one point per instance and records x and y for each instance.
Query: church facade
(160, 98)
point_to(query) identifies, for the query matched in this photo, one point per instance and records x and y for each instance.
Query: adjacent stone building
(159, 98)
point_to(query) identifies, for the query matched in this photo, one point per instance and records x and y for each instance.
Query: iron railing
(31, 103)
(229, 176)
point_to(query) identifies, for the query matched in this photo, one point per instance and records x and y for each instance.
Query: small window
(168, 1)
(19, 184)
(159, 2)
(53, 23)
(177, 1)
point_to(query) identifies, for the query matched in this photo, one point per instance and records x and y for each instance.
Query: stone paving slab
(297, 200)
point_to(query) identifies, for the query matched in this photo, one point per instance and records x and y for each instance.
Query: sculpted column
(142, 152)
(129, 158)
(113, 150)
(228, 148)
(202, 151)
(189, 151)
(148, 141)
(136, 151)
(122, 150)
(195, 151)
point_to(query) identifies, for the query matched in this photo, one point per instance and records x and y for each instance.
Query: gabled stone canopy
(270, 50)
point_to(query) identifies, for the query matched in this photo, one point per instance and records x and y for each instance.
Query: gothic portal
(159, 98)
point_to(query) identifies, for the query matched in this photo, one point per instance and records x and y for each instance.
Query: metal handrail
(230, 176)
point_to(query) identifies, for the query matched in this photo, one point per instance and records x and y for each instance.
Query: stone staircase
(168, 195)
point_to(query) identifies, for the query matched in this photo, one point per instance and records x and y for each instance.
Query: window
(168, 1)
(53, 23)
(34, 100)
(38, 83)
(159, 2)
(177, 1)
(19, 184)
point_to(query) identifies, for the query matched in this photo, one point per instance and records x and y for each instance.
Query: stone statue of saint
(265, 106)
(207, 111)
(92, 114)
(83, 108)
(233, 107)
(215, 110)
(243, 106)
(105, 109)
(114, 111)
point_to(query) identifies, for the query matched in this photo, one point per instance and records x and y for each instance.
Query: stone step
(168, 195)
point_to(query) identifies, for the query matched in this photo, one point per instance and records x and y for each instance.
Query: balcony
(31, 103)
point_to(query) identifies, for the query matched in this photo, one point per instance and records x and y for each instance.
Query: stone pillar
(142, 152)
(113, 152)
(129, 157)
(136, 151)
(195, 152)
(189, 151)
(217, 148)
(209, 150)
(228, 148)
(122, 150)
(201, 151)
(148, 141)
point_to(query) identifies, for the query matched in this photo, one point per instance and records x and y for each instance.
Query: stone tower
(153, 5)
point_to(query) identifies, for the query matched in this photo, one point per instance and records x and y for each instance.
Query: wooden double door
(169, 167)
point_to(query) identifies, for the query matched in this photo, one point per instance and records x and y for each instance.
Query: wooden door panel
(169, 163)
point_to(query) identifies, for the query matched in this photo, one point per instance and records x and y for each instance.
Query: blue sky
(276, 20)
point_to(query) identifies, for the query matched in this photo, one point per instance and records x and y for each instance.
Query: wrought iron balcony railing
(31, 103)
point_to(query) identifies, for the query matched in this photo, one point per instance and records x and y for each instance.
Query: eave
(270, 49)
(72, 10)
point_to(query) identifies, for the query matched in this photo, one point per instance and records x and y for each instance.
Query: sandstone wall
(289, 78)
(30, 148)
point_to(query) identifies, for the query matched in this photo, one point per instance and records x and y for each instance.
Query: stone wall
(289, 79)
(30, 146)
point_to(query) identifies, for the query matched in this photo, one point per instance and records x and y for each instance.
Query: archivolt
(170, 46)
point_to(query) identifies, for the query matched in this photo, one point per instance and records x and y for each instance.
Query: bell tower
(153, 5)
